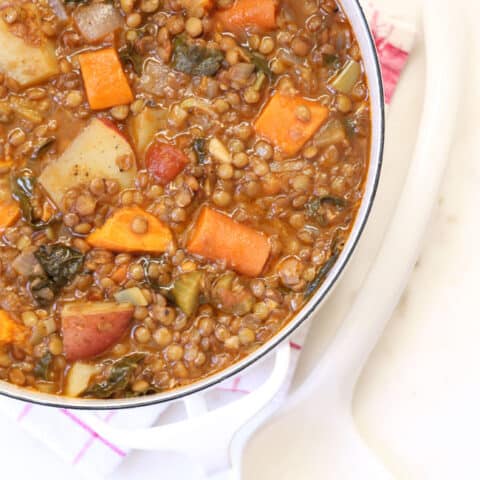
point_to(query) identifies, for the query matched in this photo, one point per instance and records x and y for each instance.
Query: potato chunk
(27, 63)
(97, 152)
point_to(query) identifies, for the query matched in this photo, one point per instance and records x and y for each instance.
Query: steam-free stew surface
(177, 177)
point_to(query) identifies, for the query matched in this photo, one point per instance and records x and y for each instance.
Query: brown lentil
(139, 225)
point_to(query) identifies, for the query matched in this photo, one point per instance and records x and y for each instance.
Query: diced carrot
(117, 233)
(10, 330)
(281, 121)
(260, 14)
(216, 236)
(9, 214)
(104, 79)
(119, 274)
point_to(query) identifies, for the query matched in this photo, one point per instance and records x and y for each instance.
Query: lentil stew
(177, 178)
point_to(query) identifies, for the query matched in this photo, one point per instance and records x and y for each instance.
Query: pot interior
(366, 42)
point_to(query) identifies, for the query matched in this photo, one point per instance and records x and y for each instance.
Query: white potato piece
(78, 378)
(95, 153)
(145, 125)
(27, 64)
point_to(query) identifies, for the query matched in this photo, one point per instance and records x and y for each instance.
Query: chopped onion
(198, 103)
(288, 166)
(97, 20)
(219, 151)
(59, 9)
(241, 72)
(50, 325)
(155, 78)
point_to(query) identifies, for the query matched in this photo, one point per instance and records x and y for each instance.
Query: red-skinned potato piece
(165, 162)
(91, 328)
(111, 124)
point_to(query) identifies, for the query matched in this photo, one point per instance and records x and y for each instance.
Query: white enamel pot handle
(333, 381)
(205, 435)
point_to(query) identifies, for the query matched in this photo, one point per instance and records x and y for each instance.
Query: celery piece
(186, 291)
(346, 79)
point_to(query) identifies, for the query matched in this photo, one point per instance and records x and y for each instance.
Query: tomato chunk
(165, 161)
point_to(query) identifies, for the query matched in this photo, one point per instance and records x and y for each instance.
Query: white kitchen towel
(95, 456)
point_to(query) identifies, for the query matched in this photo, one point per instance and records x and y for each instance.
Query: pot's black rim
(313, 304)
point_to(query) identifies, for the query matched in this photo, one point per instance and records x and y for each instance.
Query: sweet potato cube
(290, 121)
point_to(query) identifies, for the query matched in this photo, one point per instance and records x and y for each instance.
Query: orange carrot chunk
(10, 330)
(9, 214)
(121, 233)
(290, 121)
(216, 236)
(104, 79)
(248, 13)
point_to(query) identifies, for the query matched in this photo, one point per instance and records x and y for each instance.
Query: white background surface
(418, 398)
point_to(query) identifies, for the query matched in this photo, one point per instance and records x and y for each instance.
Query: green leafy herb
(260, 62)
(128, 54)
(42, 148)
(335, 201)
(118, 379)
(194, 59)
(157, 285)
(200, 149)
(23, 190)
(60, 265)
(43, 365)
(59, 262)
(314, 206)
(332, 61)
(24, 184)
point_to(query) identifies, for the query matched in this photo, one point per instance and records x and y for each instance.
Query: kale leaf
(194, 59)
(23, 190)
(260, 62)
(60, 265)
(43, 365)
(118, 379)
(59, 262)
(199, 147)
(128, 54)
(42, 148)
